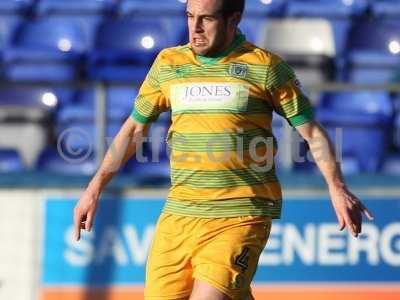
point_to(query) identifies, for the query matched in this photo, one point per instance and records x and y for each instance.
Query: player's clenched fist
(84, 212)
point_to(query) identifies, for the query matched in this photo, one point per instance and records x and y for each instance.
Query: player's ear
(235, 18)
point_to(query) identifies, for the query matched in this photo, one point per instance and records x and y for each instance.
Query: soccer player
(221, 91)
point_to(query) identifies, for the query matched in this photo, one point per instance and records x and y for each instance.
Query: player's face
(209, 31)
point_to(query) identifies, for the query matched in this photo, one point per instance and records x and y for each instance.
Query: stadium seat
(45, 7)
(265, 7)
(81, 135)
(28, 99)
(374, 60)
(10, 161)
(66, 163)
(126, 48)
(391, 164)
(119, 104)
(396, 138)
(252, 26)
(306, 44)
(15, 6)
(46, 50)
(122, 97)
(80, 114)
(26, 113)
(363, 119)
(8, 25)
(151, 7)
(326, 8)
(385, 8)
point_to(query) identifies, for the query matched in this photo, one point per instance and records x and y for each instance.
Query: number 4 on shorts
(242, 260)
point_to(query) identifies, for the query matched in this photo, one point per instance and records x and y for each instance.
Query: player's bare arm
(122, 148)
(348, 208)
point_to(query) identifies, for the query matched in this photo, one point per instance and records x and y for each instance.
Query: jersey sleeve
(150, 101)
(288, 97)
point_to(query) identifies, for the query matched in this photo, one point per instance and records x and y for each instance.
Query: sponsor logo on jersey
(209, 96)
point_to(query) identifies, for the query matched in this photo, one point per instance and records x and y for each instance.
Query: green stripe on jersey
(225, 208)
(295, 106)
(279, 75)
(255, 73)
(221, 178)
(225, 141)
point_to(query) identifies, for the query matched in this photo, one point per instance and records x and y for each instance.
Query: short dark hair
(231, 6)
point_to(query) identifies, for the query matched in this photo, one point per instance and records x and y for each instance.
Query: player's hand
(84, 212)
(349, 210)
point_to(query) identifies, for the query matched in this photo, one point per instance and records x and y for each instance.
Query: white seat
(299, 37)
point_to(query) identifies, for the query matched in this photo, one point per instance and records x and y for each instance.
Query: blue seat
(79, 136)
(385, 8)
(119, 104)
(80, 114)
(66, 162)
(374, 60)
(151, 7)
(326, 8)
(29, 97)
(10, 161)
(15, 6)
(252, 27)
(126, 48)
(364, 120)
(8, 25)
(121, 97)
(45, 50)
(265, 8)
(45, 7)
(396, 139)
(391, 164)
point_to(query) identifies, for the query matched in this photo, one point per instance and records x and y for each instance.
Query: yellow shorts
(223, 252)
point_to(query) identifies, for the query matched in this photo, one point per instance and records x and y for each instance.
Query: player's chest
(216, 88)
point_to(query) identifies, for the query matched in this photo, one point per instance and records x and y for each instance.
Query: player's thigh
(228, 259)
(205, 291)
(168, 268)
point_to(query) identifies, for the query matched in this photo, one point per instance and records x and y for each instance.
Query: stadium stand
(364, 119)
(80, 115)
(385, 8)
(151, 7)
(271, 8)
(250, 26)
(374, 60)
(16, 6)
(307, 44)
(26, 113)
(45, 7)
(74, 163)
(326, 8)
(54, 41)
(125, 48)
(10, 161)
(45, 50)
